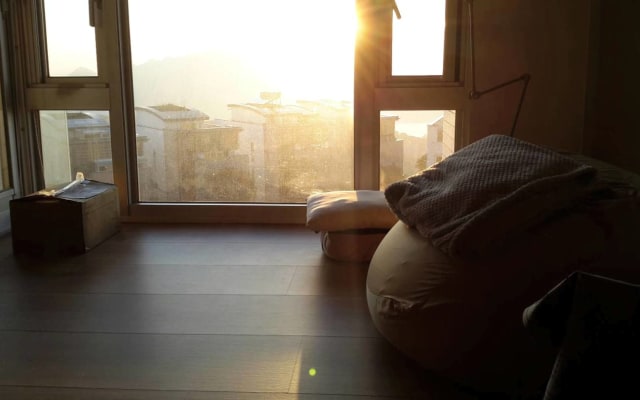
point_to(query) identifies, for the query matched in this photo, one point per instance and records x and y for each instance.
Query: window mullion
(371, 64)
(108, 47)
(453, 44)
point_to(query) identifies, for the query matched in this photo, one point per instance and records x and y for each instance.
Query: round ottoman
(463, 318)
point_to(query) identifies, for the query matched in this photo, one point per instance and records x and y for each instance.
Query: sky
(418, 37)
(292, 42)
(70, 38)
(304, 48)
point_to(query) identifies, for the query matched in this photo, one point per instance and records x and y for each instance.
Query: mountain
(207, 82)
(83, 71)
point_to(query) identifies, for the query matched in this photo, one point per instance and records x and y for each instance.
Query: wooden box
(69, 223)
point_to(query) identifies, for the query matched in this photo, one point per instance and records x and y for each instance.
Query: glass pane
(76, 141)
(418, 38)
(238, 106)
(71, 41)
(411, 141)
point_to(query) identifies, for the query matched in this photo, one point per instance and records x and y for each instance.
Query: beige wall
(548, 39)
(616, 112)
(583, 57)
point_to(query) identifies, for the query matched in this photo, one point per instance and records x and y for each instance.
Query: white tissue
(79, 180)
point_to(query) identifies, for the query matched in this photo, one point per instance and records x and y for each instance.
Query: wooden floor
(197, 312)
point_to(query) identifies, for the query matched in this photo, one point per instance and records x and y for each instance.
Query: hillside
(207, 82)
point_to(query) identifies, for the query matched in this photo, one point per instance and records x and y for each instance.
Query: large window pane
(76, 141)
(71, 41)
(244, 100)
(418, 38)
(411, 141)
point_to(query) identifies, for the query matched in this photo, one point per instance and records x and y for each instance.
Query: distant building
(77, 141)
(448, 133)
(267, 152)
(414, 150)
(435, 137)
(441, 138)
(90, 145)
(405, 153)
(391, 152)
(188, 157)
(295, 150)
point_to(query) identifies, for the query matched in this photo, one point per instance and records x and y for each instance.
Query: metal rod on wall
(475, 94)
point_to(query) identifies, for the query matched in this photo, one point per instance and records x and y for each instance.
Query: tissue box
(69, 223)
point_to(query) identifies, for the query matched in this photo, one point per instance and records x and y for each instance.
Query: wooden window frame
(374, 90)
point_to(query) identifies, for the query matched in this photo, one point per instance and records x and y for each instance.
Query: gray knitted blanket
(481, 195)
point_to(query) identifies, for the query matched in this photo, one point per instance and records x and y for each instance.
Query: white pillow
(349, 210)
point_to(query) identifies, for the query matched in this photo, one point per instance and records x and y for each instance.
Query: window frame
(36, 90)
(101, 64)
(452, 56)
(374, 90)
(9, 167)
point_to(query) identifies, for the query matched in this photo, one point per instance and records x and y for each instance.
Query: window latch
(396, 10)
(95, 11)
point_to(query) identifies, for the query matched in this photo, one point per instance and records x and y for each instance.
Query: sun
(313, 46)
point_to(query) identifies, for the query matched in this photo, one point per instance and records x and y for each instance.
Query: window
(76, 141)
(403, 84)
(421, 43)
(411, 141)
(239, 106)
(219, 114)
(418, 38)
(70, 39)
(68, 79)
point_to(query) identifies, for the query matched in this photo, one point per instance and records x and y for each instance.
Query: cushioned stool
(351, 223)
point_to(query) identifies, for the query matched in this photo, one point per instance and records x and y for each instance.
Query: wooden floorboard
(152, 279)
(330, 279)
(55, 393)
(187, 314)
(150, 361)
(222, 233)
(66, 277)
(203, 253)
(198, 312)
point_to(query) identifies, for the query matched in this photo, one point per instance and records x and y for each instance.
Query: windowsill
(217, 213)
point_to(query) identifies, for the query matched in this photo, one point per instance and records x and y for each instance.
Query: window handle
(92, 17)
(396, 10)
(95, 8)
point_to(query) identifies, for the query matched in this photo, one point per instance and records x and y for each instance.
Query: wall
(5, 223)
(616, 133)
(549, 40)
